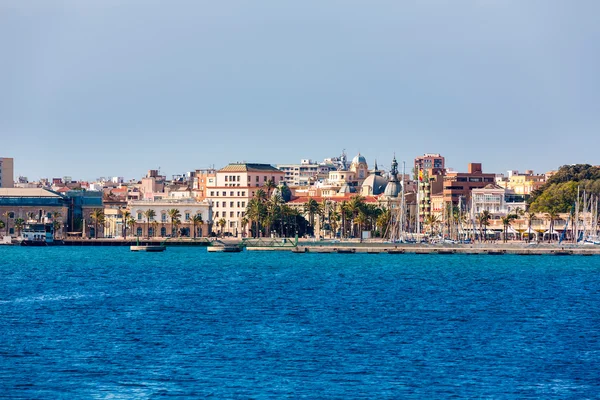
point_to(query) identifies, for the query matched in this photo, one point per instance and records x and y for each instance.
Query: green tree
(356, 205)
(222, 222)
(312, 207)
(552, 216)
(483, 219)
(269, 185)
(174, 216)
(98, 218)
(506, 221)
(255, 210)
(149, 214)
(19, 224)
(244, 222)
(130, 222)
(55, 223)
(125, 214)
(197, 221)
(431, 221)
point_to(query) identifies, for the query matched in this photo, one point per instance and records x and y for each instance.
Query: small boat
(220, 247)
(224, 249)
(152, 248)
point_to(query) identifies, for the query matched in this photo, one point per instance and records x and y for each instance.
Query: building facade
(19, 206)
(161, 225)
(233, 187)
(458, 185)
(6, 172)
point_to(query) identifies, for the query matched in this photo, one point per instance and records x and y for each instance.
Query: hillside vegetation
(559, 193)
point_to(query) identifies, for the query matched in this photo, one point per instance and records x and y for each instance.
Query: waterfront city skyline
(114, 89)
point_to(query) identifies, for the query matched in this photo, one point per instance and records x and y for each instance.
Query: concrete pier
(478, 249)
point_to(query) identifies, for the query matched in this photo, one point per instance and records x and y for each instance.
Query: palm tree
(361, 219)
(55, 223)
(97, 216)
(484, 221)
(197, 220)
(344, 212)
(269, 185)
(552, 216)
(19, 223)
(221, 223)
(255, 211)
(177, 223)
(131, 223)
(506, 221)
(125, 214)
(174, 215)
(431, 221)
(311, 207)
(334, 219)
(530, 216)
(149, 214)
(260, 195)
(383, 220)
(355, 206)
(244, 224)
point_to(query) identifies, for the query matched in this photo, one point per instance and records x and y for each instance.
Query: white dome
(359, 159)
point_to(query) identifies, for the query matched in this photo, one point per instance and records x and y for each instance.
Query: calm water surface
(108, 323)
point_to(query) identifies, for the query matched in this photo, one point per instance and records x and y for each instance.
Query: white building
(305, 173)
(161, 224)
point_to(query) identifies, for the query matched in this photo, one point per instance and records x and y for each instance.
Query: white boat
(219, 247)
(153, 248)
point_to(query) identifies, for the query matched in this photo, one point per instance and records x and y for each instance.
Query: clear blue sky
(117, 87)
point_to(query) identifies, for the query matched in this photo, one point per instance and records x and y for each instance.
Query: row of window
(231, 204)
(231, 214)
(163, 216)
(231, 193)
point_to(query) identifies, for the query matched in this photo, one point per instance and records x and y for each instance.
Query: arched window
(139, 231)
(163, 231)
(11, 215)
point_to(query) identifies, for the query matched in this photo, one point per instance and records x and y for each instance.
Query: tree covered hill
(559, 193)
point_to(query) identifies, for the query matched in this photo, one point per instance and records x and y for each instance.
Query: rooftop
(28, 192)
(245, 167)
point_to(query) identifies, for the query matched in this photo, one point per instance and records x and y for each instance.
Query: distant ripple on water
(107, 323)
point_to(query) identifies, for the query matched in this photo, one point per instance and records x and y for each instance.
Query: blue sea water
(108, 323)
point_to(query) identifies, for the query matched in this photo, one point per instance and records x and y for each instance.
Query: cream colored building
(161, 224)
(521, 184)
(232, 187)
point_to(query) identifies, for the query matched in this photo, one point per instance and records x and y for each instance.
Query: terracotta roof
(249, 168)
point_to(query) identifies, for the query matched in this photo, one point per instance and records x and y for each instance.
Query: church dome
(359, 159)
(392, 189)
(347, 189)
(376, 184)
